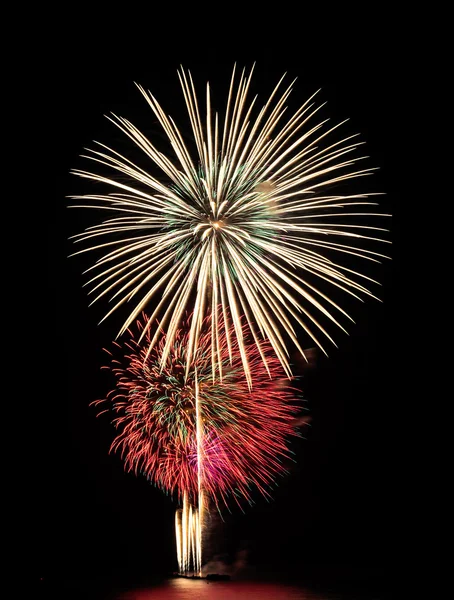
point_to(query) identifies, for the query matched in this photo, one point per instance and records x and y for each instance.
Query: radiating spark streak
(236, 222)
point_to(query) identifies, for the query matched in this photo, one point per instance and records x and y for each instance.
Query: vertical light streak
(200, 523)
(188, 536)
(189, 520)
(191, 540)
(199, 434)
(178, 537)
(185, 532)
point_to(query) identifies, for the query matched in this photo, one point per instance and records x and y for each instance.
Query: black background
(336, 509)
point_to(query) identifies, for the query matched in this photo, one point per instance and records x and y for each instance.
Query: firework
(195, 432)
(243, 222)
(188, 537)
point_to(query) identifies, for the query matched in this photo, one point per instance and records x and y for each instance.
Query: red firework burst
(160, 412)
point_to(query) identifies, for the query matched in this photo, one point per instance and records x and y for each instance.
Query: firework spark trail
(199, 436)
(195, 435)
(189, 520)
(250, 221)
(189, 549)
(185, 532)
(179, 538)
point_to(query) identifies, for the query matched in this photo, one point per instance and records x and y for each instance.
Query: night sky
(336, 507)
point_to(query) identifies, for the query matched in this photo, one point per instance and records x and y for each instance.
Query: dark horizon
(334, 511)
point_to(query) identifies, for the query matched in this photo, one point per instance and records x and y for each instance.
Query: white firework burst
(235, 225)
